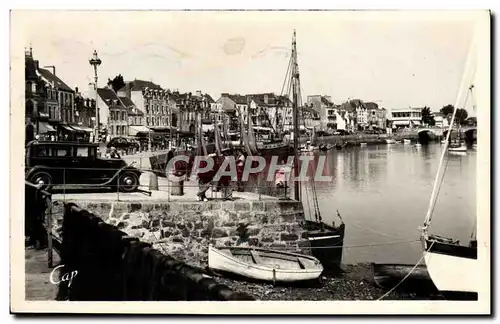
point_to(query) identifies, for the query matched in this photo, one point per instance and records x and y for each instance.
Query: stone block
(271, 206)
(242, 206)
(267, 239)
(257, 206)
(198, 225)
(253, 241)
(278, 246)
(185, 232)
(219, 232)
(254, 230)
(288, 218)
(178, 239)
(228, 224)
(289, 237)
(166, 223)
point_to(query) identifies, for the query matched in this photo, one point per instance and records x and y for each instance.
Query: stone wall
(105, 264)
(185, 229)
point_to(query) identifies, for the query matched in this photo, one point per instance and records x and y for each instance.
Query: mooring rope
(373, 231)
(405, 277)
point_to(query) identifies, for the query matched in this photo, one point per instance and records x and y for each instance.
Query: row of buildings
(55, 110)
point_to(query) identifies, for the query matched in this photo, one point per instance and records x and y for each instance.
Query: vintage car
(53, 164)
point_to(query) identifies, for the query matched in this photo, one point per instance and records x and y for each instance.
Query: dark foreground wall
(108, 265)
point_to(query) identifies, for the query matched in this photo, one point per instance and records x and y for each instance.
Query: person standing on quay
(205, 178)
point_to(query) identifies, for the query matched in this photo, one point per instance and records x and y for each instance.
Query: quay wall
(353, 140)
(106, 264)
(184, 230)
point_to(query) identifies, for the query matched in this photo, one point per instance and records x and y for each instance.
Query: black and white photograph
(260, 157)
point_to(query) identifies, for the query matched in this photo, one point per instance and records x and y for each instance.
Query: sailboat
(326, 240)
(458, 145)
(453, 267)
(267, 148)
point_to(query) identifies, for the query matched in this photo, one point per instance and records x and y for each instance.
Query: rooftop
(58, 83)
(109, 97)
(127, 102)
(139, 85)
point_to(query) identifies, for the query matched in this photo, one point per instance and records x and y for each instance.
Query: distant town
(136, 108)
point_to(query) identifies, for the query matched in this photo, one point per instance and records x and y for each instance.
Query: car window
(41, 151)
(92, 151)
(63, 151)
(82, 151)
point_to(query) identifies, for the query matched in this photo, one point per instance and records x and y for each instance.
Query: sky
(397, 59)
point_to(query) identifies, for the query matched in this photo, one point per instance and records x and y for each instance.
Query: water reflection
(386, 189)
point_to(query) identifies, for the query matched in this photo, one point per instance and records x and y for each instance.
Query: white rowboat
(461, 148)
(264, 264)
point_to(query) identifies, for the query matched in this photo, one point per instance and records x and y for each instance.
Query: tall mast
(295, 82)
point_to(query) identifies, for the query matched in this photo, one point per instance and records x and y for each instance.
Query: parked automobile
(123, 143)
(50, 164)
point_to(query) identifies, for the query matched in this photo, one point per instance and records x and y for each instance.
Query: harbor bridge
(428, 133)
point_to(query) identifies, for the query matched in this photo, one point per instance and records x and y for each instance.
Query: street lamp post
(95, 61)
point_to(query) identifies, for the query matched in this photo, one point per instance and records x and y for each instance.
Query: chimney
(76, 89)
(128, 90)
(53, 68)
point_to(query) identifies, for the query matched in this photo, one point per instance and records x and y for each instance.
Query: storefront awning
(67, 128)
(401, 122)
(415, 122)
(135, 129)
(161, 128)
(44, 128)
(79, 128)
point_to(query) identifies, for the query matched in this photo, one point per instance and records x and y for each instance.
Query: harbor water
(382, 193)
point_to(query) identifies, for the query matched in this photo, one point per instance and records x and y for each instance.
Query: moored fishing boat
(406, 141)
(264, 264)
(390, 141)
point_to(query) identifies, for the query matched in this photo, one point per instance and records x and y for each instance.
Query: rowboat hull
(461, 148)
(268, 265)
(452, 267)
(387, 276)
(390, 141)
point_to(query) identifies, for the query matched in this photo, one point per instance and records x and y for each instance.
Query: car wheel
(128, 182)
(42, 179)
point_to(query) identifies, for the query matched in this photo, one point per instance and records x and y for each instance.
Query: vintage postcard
(250, 162)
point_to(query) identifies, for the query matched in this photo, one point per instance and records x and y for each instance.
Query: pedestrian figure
(240, 166)
(205, 178)
(114, 153)
(225, 181)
